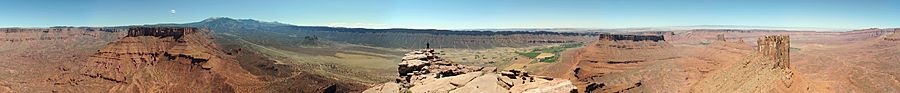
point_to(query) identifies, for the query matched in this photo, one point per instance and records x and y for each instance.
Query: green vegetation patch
(530, 54)
(794, 49)
(554, 50)
(572, 45)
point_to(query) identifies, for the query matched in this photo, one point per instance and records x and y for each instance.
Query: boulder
(511, 81)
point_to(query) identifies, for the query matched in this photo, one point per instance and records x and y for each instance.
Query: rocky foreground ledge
(422, 71)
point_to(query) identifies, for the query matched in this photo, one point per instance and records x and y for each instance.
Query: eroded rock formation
(44, 60)
(768, 70)
(160, 59)
(720, 37)
(422, 71)
(775, 48)
(174, 32)
(659, 33)
(417, 63)
(617, 37)
(632, 41)
(893, 36)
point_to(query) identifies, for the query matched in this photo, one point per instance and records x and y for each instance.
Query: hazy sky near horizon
(460, 14)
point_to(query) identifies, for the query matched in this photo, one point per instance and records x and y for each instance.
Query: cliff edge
(422, 71)
(166, 59)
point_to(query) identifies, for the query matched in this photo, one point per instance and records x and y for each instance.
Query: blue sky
(461, 14)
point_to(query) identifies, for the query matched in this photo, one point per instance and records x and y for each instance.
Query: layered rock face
(14, 35)
(657, 33)
(632, 41)
(120, 59)
(616, 37)
(422, 71)
(151, 59)
(174, 32)
(608, 66)
(775, 48)
(144, 60)
(44, 60)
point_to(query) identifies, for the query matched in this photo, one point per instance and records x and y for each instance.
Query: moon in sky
(173, 12)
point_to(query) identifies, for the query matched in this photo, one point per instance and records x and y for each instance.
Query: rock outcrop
(629, 41)
(146, 60)
(160, 59)
(417, 63)
(658, 33)
(768, 70)
(617, 37)
(422, 71)
(45, 60)
(174, 32)
(775, 48)
(720, 37)
(893, 36)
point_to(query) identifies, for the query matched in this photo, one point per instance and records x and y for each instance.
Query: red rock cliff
(776, 49)
(175, 32)
(618, 37)
(164, 59)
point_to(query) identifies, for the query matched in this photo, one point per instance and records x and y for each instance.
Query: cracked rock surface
(422, 71)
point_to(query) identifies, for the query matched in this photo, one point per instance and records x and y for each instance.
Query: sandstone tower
(720, 37)
(777, 49)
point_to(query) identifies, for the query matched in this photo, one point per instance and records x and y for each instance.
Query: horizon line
(751, 27)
